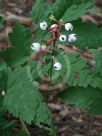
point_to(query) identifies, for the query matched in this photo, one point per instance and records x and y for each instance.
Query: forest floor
(68, 119)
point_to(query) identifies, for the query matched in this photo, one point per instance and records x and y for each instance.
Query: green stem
(24, 127)
(52, 61)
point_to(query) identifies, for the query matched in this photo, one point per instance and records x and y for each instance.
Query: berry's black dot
(62, 38)
(55, 67)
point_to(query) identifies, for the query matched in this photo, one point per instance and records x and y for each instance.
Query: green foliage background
(22, 97)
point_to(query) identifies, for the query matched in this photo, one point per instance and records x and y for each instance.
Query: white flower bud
(52, 18)
(68, 26)
(57, 66)
(72, 38)
(43, 25)
(35, 46)
(43, 47)
(63, 38)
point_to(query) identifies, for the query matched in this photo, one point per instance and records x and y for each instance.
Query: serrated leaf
(21, 40)
(85, 37)
(88, 98)
(81, 74)
(5, 124)
(70, 10)
(77, 9)
(67, 10)
(23, 99)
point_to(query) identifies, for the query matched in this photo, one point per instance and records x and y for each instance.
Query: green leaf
(77, 9)
(67, 10)
(5, 124)
(76, 71)
(3, 76)
(39, 10)
(21, 40)
(97, 56)
(70, 10)
(86, 38)
(1, 1)
(21, 37)
(88, 98)
(100, 134)
(1, 21)
(36, 69)
(79, 73)
(23, 99)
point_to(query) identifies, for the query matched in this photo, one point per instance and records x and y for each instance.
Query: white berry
(36, 46)
(63, 38)
(68, 26)
(3, 93)
(57, 66)
(93, 62)
(54, 26)
(72, 38)
(43, 25)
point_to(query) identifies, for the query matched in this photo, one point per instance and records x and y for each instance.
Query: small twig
(54, 106)
(24, 126)
(85, 54)
(8, 16)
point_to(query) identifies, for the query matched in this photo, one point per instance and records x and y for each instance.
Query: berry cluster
(62, 38)
(55, 30)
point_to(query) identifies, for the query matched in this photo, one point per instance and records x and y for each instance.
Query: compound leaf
(81, 73)
(23, 99)
(67, 10)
